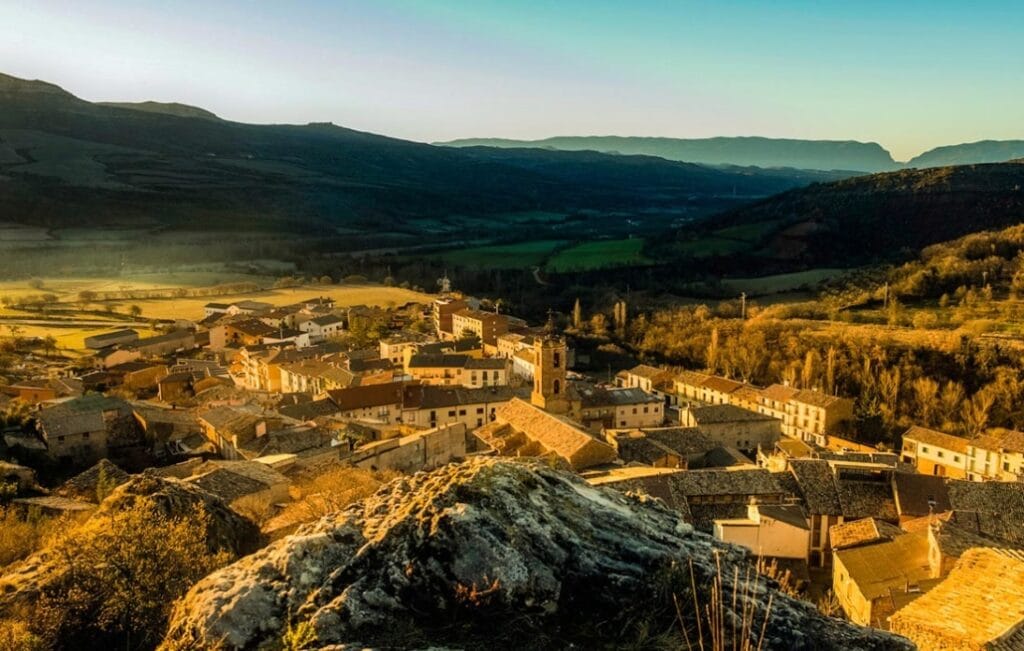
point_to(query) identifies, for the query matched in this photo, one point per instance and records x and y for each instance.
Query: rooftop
(887, 566)
(862, 532)
(936, 438)
(712, 414)
(979, 605)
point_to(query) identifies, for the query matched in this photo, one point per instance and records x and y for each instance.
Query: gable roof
(816, 398)
(862, 532)
(648, 372)
(551, 434)
(778, 392)
(918, 495)
(936, 438)
(80, 415)
(817, 485)
(712, 414)
(892, 565)
(1006, 440)
(371, 395)
(979, 605)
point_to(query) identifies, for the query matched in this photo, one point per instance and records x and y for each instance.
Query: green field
(503, 256)
(754, 232)
(598, 255)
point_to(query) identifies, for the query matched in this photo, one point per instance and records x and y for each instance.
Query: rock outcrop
(226, 530)
(499, 554)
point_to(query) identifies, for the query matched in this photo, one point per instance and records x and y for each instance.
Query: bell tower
(550, 389)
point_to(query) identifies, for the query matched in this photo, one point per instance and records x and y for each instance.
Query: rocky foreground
(499, 554)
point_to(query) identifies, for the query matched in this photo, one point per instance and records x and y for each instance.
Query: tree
(926, 397)
(577, 315)
(121, 573)
(135, 311)
(36, 283)
(975, 413)
(50, 345)
(712, 358)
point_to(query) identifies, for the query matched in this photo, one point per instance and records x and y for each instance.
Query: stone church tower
(550, 388)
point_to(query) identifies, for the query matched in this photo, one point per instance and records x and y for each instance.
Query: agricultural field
(504, 256)
(598, 255)
(343, 295)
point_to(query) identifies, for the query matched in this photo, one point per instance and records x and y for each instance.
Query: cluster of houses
(912, 540)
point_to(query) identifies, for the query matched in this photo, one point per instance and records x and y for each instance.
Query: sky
(909, 74)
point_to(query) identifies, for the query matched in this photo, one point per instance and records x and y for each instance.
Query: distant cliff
(745, 151)
(985, 151)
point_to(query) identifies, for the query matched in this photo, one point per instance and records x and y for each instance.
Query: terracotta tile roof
(862, 532)
(744, 482)
(721, 384)
(893, 565)
(372, 395)
(648, 372)
(550, 434)
(816, 398)
(778, 392)
(1001, 439)
(85, 485)
(979, 605)
(936, 438)
(817, 486)
(692, 378)
(713, 414)
(684, 440)
(918, 495)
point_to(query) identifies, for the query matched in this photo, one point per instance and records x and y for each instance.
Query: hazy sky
(910, 75)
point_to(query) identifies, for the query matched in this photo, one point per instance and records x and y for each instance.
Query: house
(31, 391)
(163, 345)
(393, 347)
(323, 327)
(414, 452)
(240, 332)
(651, 379)
(431, 406)
(247, 485)
(249, 308)
(978, 607)
(601, 408)
(522, 429)
(935, 453)
(375, 402)
(872, 582)
(671, 447)
(866, 531)
(443, 310)
(178, 387)
(917, 495)
(998, 455)
(769, 530)
(485, 326)
(108, 339)
(83, 430)
(140, 375)
(457, 370)
(315, 377)
(812, 415)
(231, 429)
(733, 426)
(689, 385)
(94, 484)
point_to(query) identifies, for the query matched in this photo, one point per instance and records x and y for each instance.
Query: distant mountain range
(65, 161)
(768, 152)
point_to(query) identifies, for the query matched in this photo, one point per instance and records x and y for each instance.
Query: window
(451, 414)
(462, 412)
(557, 360)
(924, 448)
(1006, 466)
(956, 458)
(479, 410)
(940, 454)
(645, 410)
(556, 387)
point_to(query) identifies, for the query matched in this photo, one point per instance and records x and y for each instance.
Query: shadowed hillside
(64, 159)
(876, 217)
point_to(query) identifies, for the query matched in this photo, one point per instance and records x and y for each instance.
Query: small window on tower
(555, 387)
(558, 359)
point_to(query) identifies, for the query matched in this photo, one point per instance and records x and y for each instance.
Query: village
(248, 399)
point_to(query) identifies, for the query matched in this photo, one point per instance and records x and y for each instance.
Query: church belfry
(550, 388)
